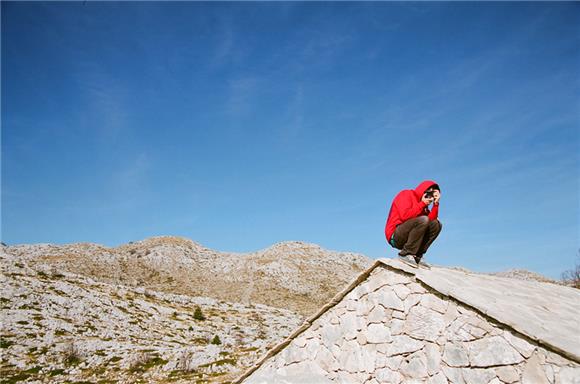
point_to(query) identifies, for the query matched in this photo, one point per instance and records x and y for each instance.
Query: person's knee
(422, 220)
(435, 223)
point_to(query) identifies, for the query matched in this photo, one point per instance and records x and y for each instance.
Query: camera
(429, 194)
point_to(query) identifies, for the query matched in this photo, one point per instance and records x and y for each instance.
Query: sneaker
(421, 263)
(409, 260)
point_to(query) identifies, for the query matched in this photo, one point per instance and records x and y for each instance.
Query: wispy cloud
(241, 95)
(106, 101)
(225, 48)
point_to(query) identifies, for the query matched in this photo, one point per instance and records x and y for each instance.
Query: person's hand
(427, 200)
(436, 196)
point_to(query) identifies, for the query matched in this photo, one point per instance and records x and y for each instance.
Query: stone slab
(547, 313)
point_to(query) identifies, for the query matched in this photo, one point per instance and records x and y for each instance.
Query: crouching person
(411, 226)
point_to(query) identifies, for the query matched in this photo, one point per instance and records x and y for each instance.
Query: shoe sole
(414, 265)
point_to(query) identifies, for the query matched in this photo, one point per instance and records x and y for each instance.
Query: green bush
(198, 314)
(216, 340)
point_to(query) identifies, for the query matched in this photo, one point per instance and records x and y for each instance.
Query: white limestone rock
(454, 375)
(520, 344)
(416, 288)
(397, 326)
(399, 315)
(401, 291)
(330, 334)
(369, 356)
(457, 330)
(533, 372)
(302, 372)
(362, 289)
(392, 277)
(455, 355)
(351, 304)
(439, 378)
(403, 344)
(361, 338)
(507, 374)
(387, 298)
(492, 351)
(478, 375)
(326, 360)
(424, 324)
(450, 314)
(394, 362)
(386, 375)
(411, 301)
(378, 333)
(351, 357)
(311, 349)
(433, 302)
(433, 355)
(364, 307)
(570, 375)
(377, 280)
(415, 366)
(349, 323)
(300, 341)
(377, 315)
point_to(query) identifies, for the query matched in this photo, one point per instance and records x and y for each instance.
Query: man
(411, 226)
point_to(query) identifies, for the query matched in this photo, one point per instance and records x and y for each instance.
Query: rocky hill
(88, 313)
(62, 327)
(300, 275)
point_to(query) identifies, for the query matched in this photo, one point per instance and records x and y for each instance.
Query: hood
(421, 188)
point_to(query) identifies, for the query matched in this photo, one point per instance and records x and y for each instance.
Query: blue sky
(239, 125)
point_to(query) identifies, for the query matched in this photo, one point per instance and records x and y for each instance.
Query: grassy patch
(219, 363)
(56, 372)
(114, 359)
(145, 361)
(34, 370)
(14, 377)
(200, 341)
(72, 355)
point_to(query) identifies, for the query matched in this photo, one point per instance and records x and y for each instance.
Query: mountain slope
(301, 276)
(63, 327)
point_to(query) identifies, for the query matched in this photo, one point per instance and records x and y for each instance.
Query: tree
(571, 277)
(198, 314)
(216, 340)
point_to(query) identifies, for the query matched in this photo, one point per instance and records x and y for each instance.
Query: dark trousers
(414, 236)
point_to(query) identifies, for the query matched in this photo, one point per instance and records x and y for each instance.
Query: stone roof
(546, 313)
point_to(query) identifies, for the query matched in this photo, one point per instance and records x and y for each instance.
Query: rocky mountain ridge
(302, 276)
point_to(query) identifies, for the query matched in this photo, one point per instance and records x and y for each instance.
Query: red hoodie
(408, 205)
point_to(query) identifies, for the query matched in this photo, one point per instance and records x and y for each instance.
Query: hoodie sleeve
(434, 212)
(407, 206)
